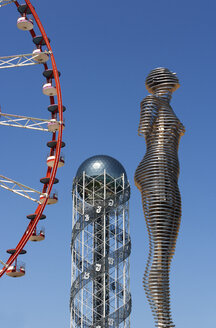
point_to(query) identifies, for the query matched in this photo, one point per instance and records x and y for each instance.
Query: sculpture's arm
(148, 112)
(181, 129)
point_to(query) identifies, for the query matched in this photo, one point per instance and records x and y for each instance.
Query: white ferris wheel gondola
(25, 24)
(49, 89)
(53, 125)
(40, 56)
(53, 199)
(51, 161)
(37, 236)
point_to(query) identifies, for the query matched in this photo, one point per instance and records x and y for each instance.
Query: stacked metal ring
(157, 179)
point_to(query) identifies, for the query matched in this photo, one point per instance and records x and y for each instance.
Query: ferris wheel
(28, 20)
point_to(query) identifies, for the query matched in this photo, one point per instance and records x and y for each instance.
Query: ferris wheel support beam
(5, 2)
(25, 122)
(12, 185)
(3, 263)
(19, 60)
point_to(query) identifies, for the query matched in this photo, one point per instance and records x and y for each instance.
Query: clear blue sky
(104, 50)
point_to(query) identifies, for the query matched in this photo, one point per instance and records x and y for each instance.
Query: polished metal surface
(157, 179)
(100, 246)
(95, 165)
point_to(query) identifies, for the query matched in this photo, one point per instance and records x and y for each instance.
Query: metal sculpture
(157, 179)
(100, 246)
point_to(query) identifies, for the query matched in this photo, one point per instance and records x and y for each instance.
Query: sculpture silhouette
(157, 179)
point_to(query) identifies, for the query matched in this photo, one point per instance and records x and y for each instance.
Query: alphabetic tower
(100, 246)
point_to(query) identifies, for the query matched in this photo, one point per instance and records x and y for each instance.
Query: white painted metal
(19, 188)
(26, 122)
(15, 272)
(53, 199)
(25, 24)
(5, 2)
(4, 264)
(49, 89)
(37, 235)
(114, 298)
(21, 60)
(51, 160)
(83, 258)
(53, 125)
(39, 56)
(73, 268)
(105, 241)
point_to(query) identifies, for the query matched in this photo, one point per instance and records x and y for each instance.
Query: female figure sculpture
(157, 179)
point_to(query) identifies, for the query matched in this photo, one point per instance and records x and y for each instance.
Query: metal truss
(19, 60)
(4, 264)
(25, 122)
(5, 2)
(157, 179)
(100, 247)
(19, 188)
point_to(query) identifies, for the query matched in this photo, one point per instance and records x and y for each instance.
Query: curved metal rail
(51, 172)
(157, 179)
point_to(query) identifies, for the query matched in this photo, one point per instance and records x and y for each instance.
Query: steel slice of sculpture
(100, 245)
(157, 179)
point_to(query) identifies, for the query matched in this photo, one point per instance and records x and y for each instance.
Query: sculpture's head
(161, 80)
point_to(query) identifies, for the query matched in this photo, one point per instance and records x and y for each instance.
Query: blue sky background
(104, 50)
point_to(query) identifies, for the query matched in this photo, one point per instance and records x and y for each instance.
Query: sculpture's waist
(161, 160)
(159, 165)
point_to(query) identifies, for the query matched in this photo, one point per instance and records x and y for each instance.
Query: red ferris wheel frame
(51, 172)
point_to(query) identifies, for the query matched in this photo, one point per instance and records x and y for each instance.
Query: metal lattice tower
(157, 179)
(100, 245)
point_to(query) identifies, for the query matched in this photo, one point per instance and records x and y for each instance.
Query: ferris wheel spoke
(4, 264)
(5, 2)
(22, 60)
(19, 188)
(27, 122)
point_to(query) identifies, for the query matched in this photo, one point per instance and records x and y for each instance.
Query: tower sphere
(162, 80)
(96, 165)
